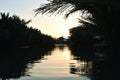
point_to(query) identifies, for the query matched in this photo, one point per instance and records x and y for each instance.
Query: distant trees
(15, 32)
(61, 40)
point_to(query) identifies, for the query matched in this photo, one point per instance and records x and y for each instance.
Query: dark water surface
(59, 63)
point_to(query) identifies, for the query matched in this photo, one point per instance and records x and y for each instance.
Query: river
(59, 63)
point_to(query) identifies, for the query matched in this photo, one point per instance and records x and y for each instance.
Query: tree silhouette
(105, 15)
(15, 32)
(20, 45)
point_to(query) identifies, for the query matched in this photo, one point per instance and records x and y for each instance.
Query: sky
(56, 26)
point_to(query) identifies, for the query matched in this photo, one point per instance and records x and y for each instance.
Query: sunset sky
(56, 26)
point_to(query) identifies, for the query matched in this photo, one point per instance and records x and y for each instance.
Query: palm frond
(67, 6)
(52, 7)
(58, 7)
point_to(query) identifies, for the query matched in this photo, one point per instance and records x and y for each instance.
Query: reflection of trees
(12, 69)
(82, 68)
(61, 47)
(16, 63)
(95, 70)
(84, 59)
(83, 53)
(96, 67)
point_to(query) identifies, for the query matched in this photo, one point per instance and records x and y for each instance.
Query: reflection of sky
(67, 78)
(54, 67)
(55, 25)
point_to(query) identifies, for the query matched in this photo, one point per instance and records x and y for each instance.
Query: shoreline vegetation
(14, 33)
(22, 45)
(97, 40)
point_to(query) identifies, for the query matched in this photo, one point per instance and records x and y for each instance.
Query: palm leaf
(53, 7)
(59, 6)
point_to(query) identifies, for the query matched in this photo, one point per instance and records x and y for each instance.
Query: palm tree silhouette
(104, 14)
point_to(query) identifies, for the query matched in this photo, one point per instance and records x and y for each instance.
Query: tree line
(14, 32)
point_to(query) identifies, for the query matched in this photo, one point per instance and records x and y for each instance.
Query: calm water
(58, 64)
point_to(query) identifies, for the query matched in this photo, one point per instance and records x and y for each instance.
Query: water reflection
(84, 68)
(15, 63)
(60, 63)
(98, 65)
(55, 65)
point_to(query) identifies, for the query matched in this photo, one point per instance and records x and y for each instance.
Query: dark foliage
(14, 32)
(83, 35)
(20, 46)
(104, 13)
